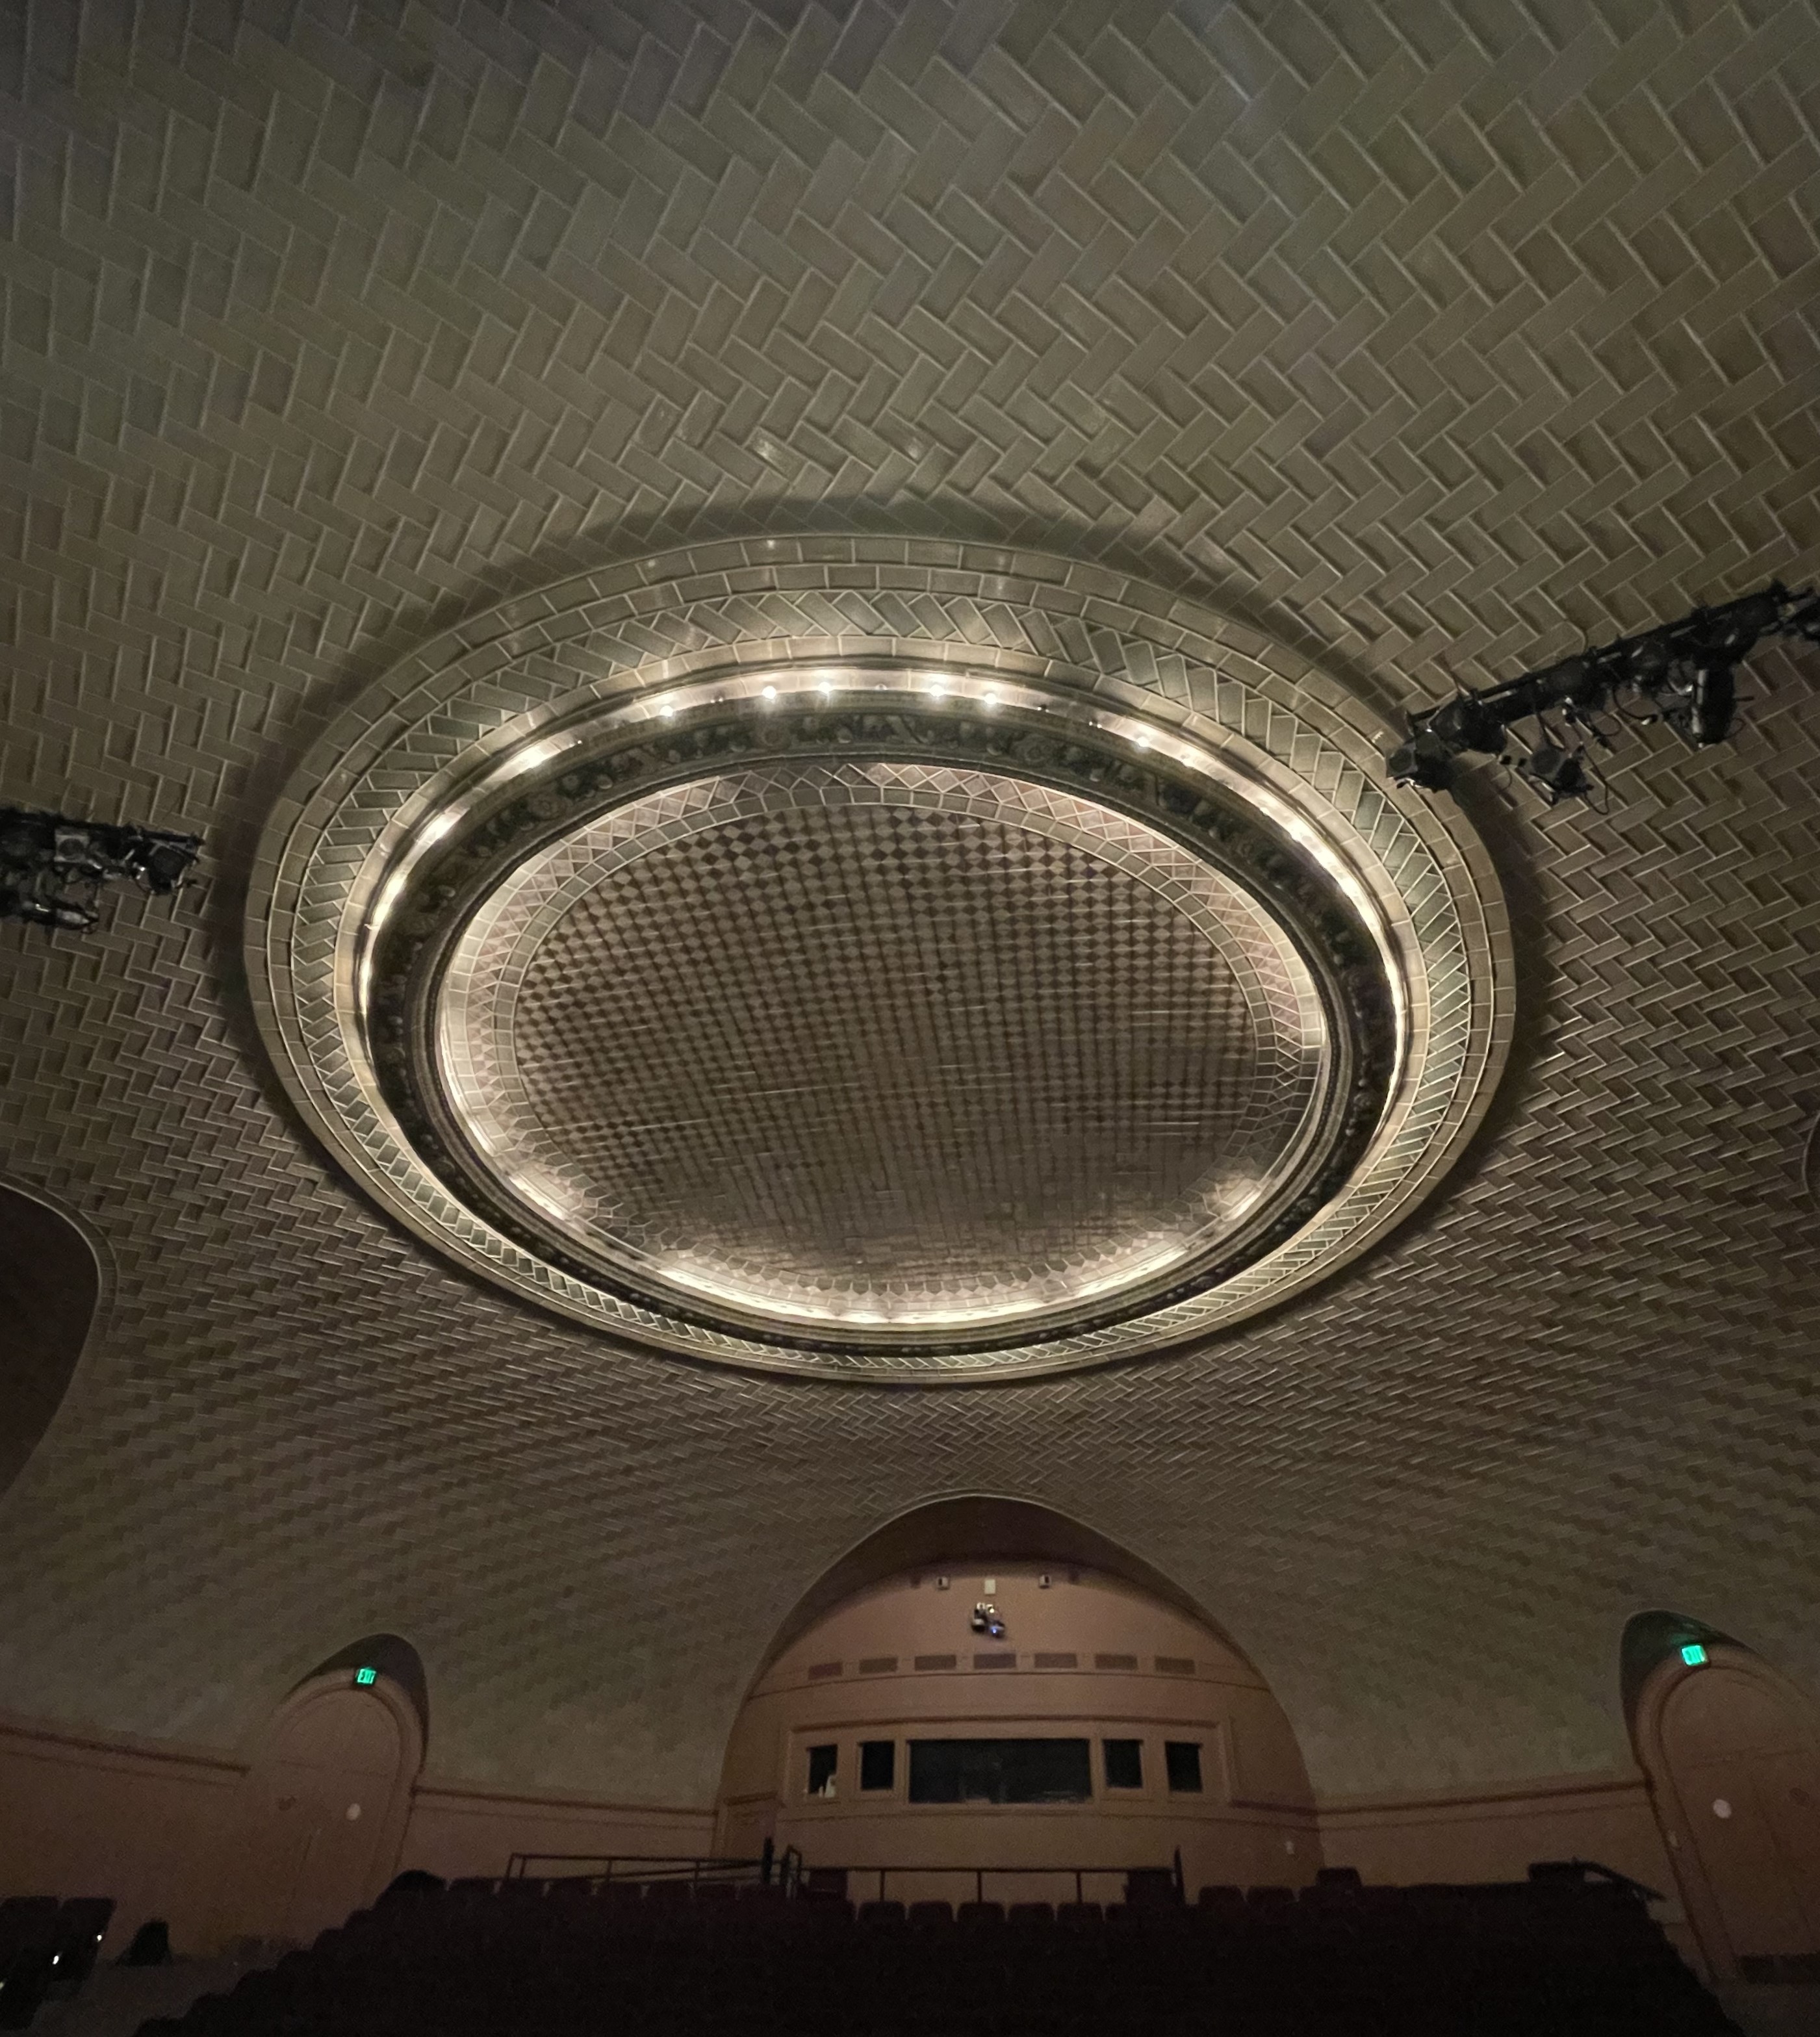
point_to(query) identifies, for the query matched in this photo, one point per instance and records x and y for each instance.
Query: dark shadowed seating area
(48, 1949)
(1552, 1956)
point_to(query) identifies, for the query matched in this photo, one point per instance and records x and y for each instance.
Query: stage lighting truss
(1683, 673)
(52, 868)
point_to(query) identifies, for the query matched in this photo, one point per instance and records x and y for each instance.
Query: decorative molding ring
(1103, 688)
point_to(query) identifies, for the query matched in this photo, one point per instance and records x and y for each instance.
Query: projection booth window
(1000, 1771)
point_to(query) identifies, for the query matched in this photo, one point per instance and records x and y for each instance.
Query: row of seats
(1528, 1961)
(1608, 1913)
(48, 1949)
(618, 1960)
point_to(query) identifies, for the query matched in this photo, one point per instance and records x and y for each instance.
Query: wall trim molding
(487, 1795)
(57, 1740)
(453, 1790)
(136, 1747)
(1484, 1796)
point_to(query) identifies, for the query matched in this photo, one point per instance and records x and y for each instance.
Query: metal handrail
(1615, 1876)
(654, 1867)
(787, 1872)
(979, 1873)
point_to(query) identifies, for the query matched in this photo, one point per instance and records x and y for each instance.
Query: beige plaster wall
(144, 1823)
(152, 1826)
(455, 1830)
(1492, 1835)
(148, 1823)
(853, 1677)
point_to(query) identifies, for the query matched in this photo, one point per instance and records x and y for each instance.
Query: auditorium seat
(48, 1949)
(1152, 1887)
(1221, 1898)
(977, 1915)
(821, 1913)
(80, 1926)
(1499, 1961)
(26, 1923)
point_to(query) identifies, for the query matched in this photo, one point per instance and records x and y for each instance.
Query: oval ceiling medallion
(879, 960)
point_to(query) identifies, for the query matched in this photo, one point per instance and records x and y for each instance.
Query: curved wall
(50, 1286)
(1085, 1656)
(1732, 1748)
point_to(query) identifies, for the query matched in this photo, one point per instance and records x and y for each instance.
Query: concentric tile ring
(509, 693)
(1021, 1177)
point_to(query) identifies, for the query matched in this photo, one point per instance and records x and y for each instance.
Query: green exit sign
(1693, 1654)
(366, 1676)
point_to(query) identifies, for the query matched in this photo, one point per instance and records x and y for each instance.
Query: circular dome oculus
(841, 1011)
(830, 1002)
(880, 1046)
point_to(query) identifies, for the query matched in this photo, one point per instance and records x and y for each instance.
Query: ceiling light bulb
(771, 693)
(529, 758)
(991, 697)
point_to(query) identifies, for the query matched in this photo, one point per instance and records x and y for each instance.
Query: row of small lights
(936, 687)
(684, 1275)
(933, 684)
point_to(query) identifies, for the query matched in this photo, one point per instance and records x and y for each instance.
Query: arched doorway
(1731, 1749)
(324, 1806)
(50, 1285)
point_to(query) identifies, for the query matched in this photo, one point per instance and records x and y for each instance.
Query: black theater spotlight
(52, 868)
(1556, 773)
(1684, 674)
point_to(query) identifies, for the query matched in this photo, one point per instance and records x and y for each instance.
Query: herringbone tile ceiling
(1423, 337)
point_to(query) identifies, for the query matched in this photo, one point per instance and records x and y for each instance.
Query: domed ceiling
(907, 1009)
(391, 391)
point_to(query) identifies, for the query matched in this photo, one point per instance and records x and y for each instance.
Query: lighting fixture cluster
(52, 868)
(985, 1619)
(1684, 673)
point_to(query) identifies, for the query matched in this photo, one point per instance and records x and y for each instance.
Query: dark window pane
(1183, 1759)
(877, 1763)
(1000, 1771)
(821, 1760)
(1124, 1764)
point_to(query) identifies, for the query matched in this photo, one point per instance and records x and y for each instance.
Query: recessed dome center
(879, 1044)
